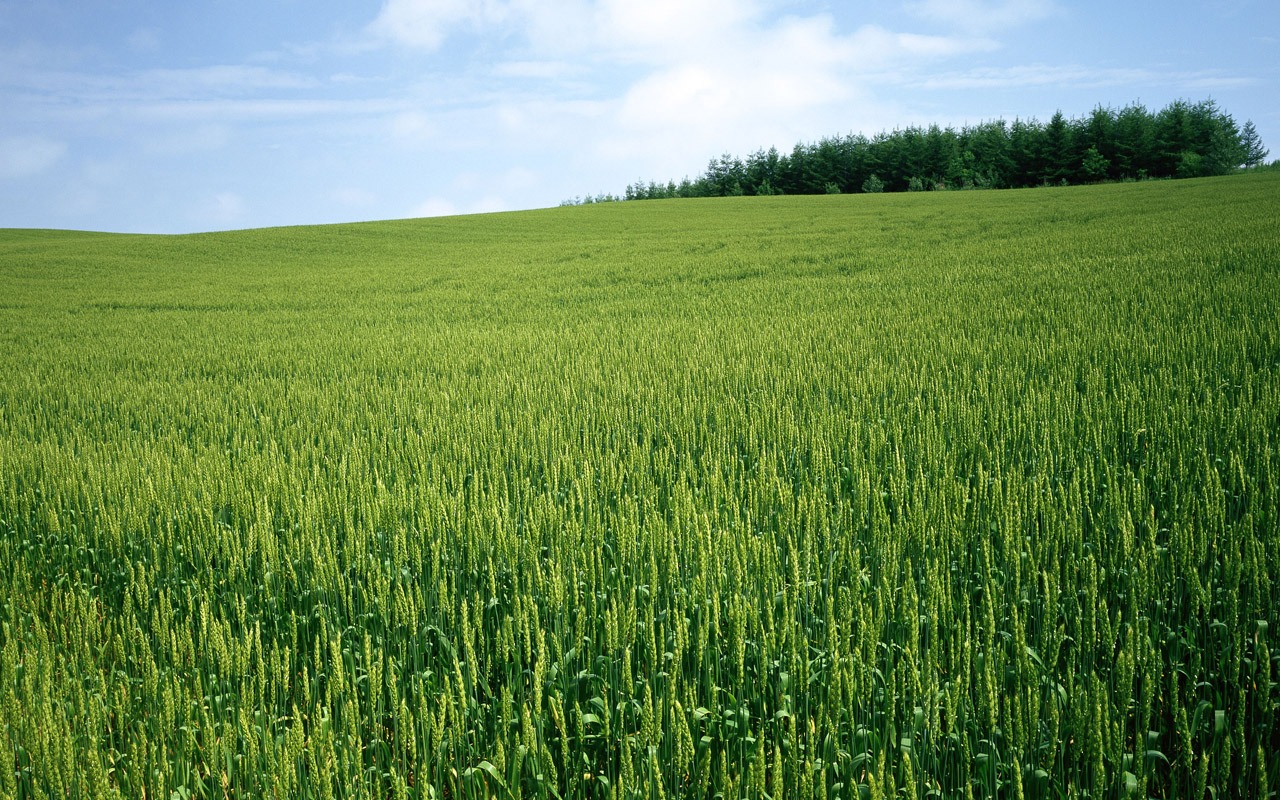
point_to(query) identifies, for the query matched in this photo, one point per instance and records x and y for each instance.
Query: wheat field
(945, 495)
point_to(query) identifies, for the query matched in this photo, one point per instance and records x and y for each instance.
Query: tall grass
(923, 496)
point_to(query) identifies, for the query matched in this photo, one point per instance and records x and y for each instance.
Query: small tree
(915, 184)
(873, 184)
(1190, 165)
(1094, 165)
(1251, 145)
(832, 187)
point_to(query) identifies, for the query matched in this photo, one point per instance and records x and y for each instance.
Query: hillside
(830, 496)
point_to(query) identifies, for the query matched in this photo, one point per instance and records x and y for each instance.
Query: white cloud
(657, 86)
(426, 23)
(878, 48)
(768, 83)
(646, 31)
(651, 89)
(183, 93)
(24, 156)
(658, 30)
(218, 80)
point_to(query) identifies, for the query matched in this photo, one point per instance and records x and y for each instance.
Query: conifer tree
(1251, 145)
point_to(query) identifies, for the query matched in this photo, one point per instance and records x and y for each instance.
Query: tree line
(1182, 140)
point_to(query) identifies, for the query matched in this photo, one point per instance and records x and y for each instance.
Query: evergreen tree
(939, 145)
(915, 155)
(1190, 165)
(1026, 150)
(1094, 167)
(1133, 133)
(1057, 152)
(1173, 135)
(831, 164)
(1251, 146)
(791, 171)
(1182, 140)
(990, 145)
(763, 171)
(1100, 136)
(1216, 138)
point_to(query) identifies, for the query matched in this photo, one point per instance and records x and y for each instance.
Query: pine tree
(1251, 145)
(1057, 150)
(1094, 165)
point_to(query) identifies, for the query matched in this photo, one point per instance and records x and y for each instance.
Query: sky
(168, 117)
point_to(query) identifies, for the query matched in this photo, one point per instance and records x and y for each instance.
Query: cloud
(659, 30)
(221, 80)
(24, 156)
(426, 23)
(769, 82)
(655, 87)
(651, 32)
(203, 92)
(877, 48)
(648, 32)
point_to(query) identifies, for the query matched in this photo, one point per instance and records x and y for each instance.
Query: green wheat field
(945, 495)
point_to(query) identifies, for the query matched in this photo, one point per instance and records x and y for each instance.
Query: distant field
(969, 494)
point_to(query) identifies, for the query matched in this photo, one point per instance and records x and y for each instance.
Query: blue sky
(162, 116)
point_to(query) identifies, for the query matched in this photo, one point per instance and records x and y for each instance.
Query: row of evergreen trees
(1183, 140)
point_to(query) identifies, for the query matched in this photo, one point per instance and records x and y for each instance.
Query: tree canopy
(1182, 140)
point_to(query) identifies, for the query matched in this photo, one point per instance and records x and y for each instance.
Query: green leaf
(488, 768)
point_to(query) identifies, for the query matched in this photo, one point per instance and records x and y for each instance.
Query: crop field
(945, 495)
